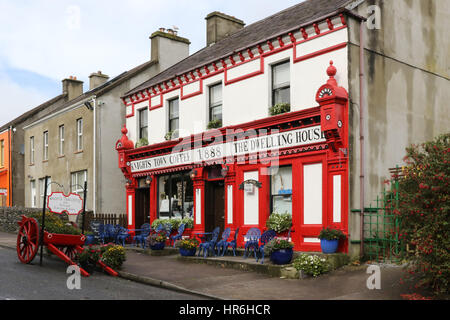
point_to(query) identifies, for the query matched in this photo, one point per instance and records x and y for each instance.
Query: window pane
(281, 189)
(216, 113)
(173, 112)
(281, 75)
(215, 94)
(282, 96)
(143, 123)
(164, 194)
(173, 124)
(176, 196)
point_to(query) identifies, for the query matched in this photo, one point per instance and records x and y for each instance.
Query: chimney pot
(97, 79)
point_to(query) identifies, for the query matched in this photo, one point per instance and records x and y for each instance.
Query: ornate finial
(331, 71)
(124, 129)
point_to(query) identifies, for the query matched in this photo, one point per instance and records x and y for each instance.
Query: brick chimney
(97, 79)
(72, 87)
(168, 48)
(220, 25)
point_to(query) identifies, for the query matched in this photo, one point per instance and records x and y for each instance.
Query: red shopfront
(294, 162)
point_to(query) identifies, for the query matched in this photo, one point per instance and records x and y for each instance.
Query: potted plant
(141, 143)
(157, 241)
(214, 124)
(187, 247)
(168, 135)
(279, 109)
(87, 259)
(280, 223)
(189, 225)
(329, 239)
(279, 250)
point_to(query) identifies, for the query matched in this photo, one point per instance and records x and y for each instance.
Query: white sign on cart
(59, 203)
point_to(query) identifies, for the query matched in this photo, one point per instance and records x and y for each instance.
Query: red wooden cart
(64, 246)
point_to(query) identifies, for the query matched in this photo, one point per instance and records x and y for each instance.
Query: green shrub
(279, 222)
(311, 265)
(141, 143)
(279, 109)
(424, 211)
(187, 244)
(54, 223)
(214, 124)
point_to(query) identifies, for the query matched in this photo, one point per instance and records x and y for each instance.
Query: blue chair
(232, 244)
(102, 233)
(265, 238)
(223, 242)
(208, 246)
(122, 236)
(144, 233)
(110, 233)
(253, 235)
(178, 236)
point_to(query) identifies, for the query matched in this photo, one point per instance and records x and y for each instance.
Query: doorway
(214, 205)
(142, 209)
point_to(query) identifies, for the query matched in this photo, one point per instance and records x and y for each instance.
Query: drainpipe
(94, 191)
(361, 132)
(10, 168)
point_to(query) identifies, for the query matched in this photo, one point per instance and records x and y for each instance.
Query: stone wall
(9, 216)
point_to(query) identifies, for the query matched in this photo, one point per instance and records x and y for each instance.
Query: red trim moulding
(261, 56)
(200, 91)
(132, 111)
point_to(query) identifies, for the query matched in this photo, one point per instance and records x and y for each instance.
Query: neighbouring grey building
(76, 143)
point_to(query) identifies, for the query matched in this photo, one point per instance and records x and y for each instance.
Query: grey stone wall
(9, 216)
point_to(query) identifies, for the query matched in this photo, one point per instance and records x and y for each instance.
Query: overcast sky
(44, 41)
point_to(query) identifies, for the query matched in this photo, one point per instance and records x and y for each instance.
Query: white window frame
(61, 139)
(33, 193)
(77, 186)
(45, 145)
(32, 150)
(80, 134)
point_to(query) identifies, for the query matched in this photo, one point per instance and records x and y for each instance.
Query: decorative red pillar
(199, 200)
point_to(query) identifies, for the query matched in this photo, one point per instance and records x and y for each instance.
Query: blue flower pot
(158, 246)
(188, 252)
(282, 256)
(329, 246)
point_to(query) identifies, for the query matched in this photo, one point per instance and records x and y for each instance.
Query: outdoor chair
(179, 235)
(253, 235)
(223, 242)
(209, 246)
(122, 236)
(232, 244)
(144, 233)
(265, 238)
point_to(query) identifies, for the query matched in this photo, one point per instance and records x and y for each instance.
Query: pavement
(219, 282)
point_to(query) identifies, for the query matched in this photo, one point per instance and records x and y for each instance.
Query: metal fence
(382, 225)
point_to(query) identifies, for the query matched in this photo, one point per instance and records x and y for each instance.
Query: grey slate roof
(308, 11)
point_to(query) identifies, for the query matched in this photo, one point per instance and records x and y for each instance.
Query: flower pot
(329, 246)
(158, 246)
(188, 252)
(282, 256)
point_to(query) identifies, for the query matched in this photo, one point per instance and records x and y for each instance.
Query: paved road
(28, 282)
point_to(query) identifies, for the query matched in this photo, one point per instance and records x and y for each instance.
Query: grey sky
(44, 41)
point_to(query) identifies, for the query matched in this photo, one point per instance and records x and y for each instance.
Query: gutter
(94, 205)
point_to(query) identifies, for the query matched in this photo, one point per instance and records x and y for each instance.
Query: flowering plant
(114, 256)
(277, 244)
(312, 265)
(279, 222)
(157, 238)
(187, 244)
(329, 233)
(89, 255)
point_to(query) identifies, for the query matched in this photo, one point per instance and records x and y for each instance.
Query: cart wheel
(28, 239)
(70, 252)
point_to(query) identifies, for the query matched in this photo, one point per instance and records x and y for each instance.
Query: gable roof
(284, 21)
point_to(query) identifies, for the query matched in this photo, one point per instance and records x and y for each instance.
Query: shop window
(281, 87)
(175, 196)
(281, 190)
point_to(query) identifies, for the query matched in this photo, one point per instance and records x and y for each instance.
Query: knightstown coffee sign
(229, 150)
